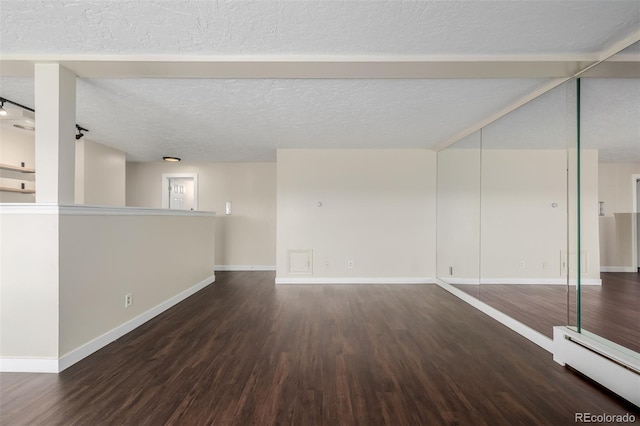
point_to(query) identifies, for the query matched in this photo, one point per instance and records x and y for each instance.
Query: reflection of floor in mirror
(611, 310)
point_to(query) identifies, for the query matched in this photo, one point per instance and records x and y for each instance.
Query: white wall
(519, 223)
(17, 146)
(29, 274)
(459, 215)
(100, 174)
(378, 209)
(99, 169)
(248, 236)
(589, 233)
(616, 190)
(65, 271)
(152, 257)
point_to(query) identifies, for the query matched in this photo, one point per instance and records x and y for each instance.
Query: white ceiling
(235, 119)
(314, 27)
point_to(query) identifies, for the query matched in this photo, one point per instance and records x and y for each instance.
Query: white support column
(55, 105)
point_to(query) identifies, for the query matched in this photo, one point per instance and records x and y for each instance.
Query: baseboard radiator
(610, 366)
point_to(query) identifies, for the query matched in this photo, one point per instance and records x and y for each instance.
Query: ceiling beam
(304, 67)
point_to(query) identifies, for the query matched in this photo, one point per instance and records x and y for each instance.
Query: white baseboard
(542, 281)
(87, 349)
(618, 269)
(517, 281)
(37, 365)
(350, 280)
(536, 337)
(245, 267)
(29, 365)
(461, 281)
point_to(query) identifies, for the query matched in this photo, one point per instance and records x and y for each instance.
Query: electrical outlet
(350, 264)
(522, 265)
(128, 300)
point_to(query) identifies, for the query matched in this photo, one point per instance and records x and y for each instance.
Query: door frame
(165, 186)
(634, 221)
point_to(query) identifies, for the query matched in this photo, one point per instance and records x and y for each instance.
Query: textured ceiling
(314, 27)
(247, 119)
(610, 121)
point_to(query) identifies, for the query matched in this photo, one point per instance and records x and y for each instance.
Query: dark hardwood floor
(611, 310)
(245, 352)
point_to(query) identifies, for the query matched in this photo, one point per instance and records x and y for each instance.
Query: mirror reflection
(610, 127)
(525, 260)
(539, 212)
(458, 258)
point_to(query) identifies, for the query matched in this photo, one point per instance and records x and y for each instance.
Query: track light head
(80, 130)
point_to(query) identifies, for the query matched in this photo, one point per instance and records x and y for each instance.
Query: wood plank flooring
(245, 352)
(611, 310)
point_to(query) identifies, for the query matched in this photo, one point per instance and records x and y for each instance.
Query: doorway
(636, 210)
(180, 191)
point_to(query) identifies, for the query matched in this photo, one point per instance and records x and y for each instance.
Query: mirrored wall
(458, 214)
(610, 138)
(538, 211)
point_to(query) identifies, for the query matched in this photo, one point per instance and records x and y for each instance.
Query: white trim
(28, 208)
(245, 267)
(540, 281)
(609, 367)
(536, 337)
(618, 269)
(87, 349)
(520, 281)
(349, 280)
(634, 222)
(28, 365)
(461, 281)
(80, 210)
(165, 184)
(587, 281)
(85, 210)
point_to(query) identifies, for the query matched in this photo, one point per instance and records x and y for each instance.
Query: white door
(181, 193)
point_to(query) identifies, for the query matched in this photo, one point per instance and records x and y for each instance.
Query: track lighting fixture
(79, 130)
(3, 112)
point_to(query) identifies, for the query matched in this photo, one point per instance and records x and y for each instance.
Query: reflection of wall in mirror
(523, 235)
(616, 190)
(458, 219)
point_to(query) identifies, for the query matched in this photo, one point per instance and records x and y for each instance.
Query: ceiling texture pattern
(314, 27)
(248, 119)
